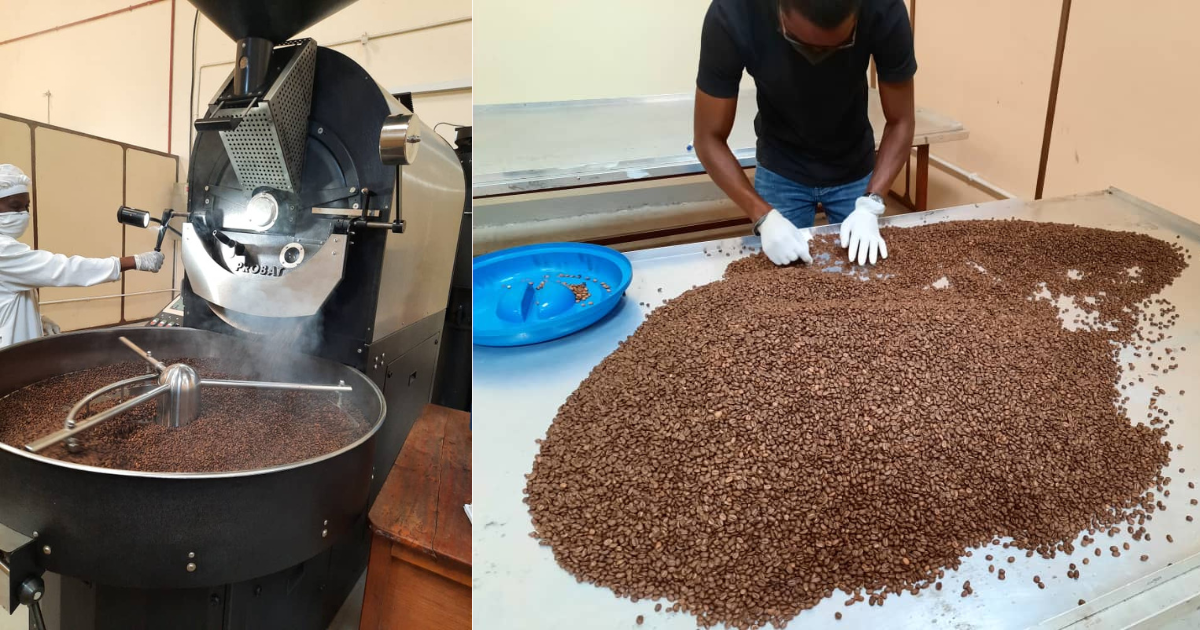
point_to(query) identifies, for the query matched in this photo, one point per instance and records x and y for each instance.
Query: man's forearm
(727, 173)
(893, 154)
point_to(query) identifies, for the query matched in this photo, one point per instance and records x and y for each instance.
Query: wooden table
(419, 574)
(528, 147)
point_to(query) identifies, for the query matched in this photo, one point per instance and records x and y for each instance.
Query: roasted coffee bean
(861, 424)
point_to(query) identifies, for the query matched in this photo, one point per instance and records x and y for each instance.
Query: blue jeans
(798, 202)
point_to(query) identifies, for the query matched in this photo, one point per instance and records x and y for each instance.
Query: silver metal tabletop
(526, 147)
(517, 392)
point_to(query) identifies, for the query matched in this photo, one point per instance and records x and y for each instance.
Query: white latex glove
(150, 261)
(860, 232)
(782, 241)
(49, 327)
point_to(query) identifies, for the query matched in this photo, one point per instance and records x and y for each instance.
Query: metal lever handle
(304, 387)
(31, 593)
(84, 425)
(238, 248)
(142, 219)
(35, 616)
(217, 124)
(158, 365)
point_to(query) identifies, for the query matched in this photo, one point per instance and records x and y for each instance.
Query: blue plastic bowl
(521, 295)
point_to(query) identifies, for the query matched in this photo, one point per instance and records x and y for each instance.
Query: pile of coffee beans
(238, 429)
(764, 441)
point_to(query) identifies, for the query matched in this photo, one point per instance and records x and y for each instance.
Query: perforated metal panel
(267, 148)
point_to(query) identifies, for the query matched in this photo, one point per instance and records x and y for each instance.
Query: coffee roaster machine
(318, 244)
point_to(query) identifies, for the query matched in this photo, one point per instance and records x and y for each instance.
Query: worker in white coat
(24, 270)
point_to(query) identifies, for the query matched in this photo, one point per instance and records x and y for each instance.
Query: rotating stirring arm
(158, 365)
(177, 389)
(58, 436)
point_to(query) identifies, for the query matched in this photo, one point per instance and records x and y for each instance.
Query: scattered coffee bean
(954, 414)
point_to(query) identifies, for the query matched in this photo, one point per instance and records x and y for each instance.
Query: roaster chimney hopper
(258, 26)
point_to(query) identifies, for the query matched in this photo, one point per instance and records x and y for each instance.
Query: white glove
(782, 241)
(49, 327)
(150, 261)
(860, 232)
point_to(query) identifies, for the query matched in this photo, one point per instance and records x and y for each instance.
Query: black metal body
(303, 596)
(453, 386)
(251, 66)
(274, 20)
(136, 531)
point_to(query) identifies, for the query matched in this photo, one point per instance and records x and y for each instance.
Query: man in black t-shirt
(815, 144)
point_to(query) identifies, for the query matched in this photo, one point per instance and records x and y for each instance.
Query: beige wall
(550, 50)
(1124, 116)
(989, 64)
(110, 77)
(107, 78)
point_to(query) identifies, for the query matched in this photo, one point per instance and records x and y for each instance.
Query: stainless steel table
(527, 147)
(517, 392)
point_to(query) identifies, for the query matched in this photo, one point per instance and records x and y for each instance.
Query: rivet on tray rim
(46, 549)
(191, 567)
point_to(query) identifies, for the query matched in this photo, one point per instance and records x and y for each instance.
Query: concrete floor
(346, 619)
